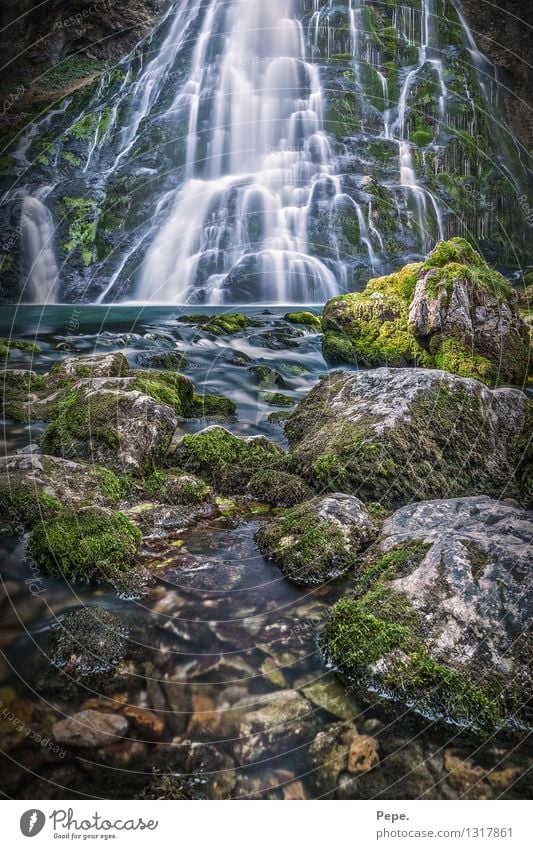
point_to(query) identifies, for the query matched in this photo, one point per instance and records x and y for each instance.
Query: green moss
(172, 389)
(6, 263)
(91, 125)
(224, 460)
(422, 136)
(343, 117)
(113, 487)
(80, 214)
(212, 406)
(25, 503)
(82, 420)
(90, 545)
(307, 549)
(8, 345)
(279, 489)
(451, 355)
(17, 388)
(378, 626)
(171, 360)
(71, 158)
(370, 329)
(305, 318)
(71, 69)
(185, 489)
(266, 376)
(277, 399)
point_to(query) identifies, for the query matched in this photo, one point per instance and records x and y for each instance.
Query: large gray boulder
(114, 422)
(401, 435)
(440, 613)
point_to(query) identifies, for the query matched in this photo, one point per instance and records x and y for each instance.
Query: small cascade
(37, 227)
(250, 152)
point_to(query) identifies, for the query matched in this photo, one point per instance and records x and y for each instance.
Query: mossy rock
(280, 489)
(23, 505)
(266, 376)
(225, 461)
(308, 319)
(122, 423)
(225, 324)
(451, 312)
(212, 407)
(34, 487)
(91, 545)
(397, 435)
(318, 540)
(174, 390)
(100, 365)
(9, 345)
(277, 399)
(174, 487)
(85, 648)
(163, 360)
(18, 388)
(399, 634)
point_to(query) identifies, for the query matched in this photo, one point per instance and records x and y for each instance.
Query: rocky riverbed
(229, 572)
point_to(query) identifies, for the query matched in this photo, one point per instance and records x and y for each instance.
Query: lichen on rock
(397, 435)
(437, 619)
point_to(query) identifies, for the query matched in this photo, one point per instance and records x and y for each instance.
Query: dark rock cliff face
(503, 31)
(36, 36)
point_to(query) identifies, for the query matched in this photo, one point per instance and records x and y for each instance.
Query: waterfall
(247, 218)
(281, 151)
(37, 227)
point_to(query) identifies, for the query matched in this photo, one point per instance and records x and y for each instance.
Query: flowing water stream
(220, 636)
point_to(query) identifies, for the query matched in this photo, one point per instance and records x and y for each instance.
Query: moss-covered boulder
(278, 488)
(212, 407)
(20, 389)
(100, 365)
(318, 540)
(438, 617)
(451, 312)
(162, 360)
(224, 460)
(225, 324)
(36, 486)
(173, 487)
(91, 545)
(7, 346)
(307, 319)
(398, 435)
(124, 423)
(277, 399)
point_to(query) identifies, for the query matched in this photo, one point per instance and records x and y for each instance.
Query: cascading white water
(247, 218)
(37, 227)
(253, 152)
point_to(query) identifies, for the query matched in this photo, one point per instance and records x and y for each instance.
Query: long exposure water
(221, 649)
